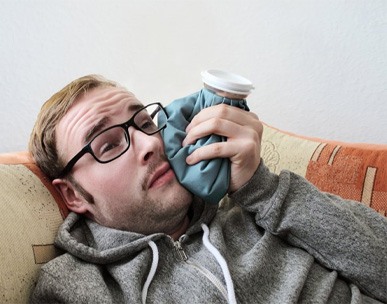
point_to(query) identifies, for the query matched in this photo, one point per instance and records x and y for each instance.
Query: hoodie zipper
(182, 256)
(180, 251)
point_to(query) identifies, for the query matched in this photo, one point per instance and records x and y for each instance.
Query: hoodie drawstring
(152, 271)
(222, 262)
(218, 256)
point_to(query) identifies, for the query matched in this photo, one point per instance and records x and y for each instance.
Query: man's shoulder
(59, 281)
(67, 264)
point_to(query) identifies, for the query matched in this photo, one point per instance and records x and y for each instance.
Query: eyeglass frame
(129, 123)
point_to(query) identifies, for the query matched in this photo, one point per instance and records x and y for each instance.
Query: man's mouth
(162, 175)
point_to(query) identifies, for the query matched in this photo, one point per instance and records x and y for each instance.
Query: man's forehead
(102, 100)
(90, 109)
(103, 94)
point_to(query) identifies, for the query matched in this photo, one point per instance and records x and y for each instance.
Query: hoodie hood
(91, 242)
(96, 244)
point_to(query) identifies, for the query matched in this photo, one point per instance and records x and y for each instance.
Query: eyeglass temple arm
(72, 162)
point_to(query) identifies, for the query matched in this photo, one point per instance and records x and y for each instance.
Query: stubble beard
(169, 212)
(154, 215)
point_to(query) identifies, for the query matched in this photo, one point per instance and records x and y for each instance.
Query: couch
(31, 210)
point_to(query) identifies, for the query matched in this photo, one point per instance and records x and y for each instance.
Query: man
(136, 235)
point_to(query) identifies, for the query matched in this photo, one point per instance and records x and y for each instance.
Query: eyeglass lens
(114, 141)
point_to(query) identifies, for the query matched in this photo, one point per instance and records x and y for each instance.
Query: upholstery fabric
(29, 217)
(352, 171)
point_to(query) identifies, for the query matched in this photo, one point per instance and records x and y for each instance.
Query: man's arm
(342, 235)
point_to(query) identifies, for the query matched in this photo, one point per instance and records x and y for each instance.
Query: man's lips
(161, 175)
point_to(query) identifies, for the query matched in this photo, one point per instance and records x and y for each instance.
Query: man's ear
(74, 201)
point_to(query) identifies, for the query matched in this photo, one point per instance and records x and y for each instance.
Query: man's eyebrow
(102, 123)
(99, 126)
(135, 107)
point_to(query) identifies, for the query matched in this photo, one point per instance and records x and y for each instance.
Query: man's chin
(179, 195)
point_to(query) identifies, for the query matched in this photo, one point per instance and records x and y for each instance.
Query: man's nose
(145, 146)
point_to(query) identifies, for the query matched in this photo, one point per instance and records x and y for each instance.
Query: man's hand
(243, 146)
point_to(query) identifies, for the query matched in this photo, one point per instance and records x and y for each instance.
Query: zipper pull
(180, 251)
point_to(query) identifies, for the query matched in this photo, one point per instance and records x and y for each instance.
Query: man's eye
(107, 147)
(149, 124)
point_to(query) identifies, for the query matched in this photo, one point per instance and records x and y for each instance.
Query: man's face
(136, 192)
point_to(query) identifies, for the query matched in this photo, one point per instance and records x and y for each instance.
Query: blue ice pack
(208, 179)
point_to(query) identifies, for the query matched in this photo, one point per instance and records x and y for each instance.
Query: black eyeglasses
(114, 141)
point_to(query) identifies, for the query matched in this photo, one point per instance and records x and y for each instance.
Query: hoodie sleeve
(342, 235)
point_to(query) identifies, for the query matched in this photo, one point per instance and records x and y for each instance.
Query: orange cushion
(351, 170)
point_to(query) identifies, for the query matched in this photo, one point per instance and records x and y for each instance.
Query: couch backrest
(30, 213)
(31, 210)
(352, 171)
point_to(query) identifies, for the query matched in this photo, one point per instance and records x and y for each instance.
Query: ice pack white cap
(227, 82)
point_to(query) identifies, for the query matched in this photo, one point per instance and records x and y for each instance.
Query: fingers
(243, 131)
(222, 120)
(225, 112)
(229, 149)
(219, 126)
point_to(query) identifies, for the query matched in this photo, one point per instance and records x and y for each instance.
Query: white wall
(319, 66)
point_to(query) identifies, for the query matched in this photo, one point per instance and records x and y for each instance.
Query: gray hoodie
(276, 240)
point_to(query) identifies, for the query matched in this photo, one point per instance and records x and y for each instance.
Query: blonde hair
(42, 144)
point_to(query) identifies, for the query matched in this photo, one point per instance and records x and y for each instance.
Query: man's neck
(181, 229)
